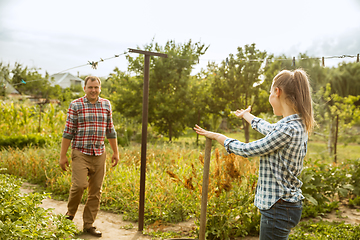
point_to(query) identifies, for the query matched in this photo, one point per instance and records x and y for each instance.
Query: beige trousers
(87, 172)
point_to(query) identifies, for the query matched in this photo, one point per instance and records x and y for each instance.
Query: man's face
(92, 90)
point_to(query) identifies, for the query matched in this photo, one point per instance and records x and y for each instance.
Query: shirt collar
(292, 117)
(87, 101)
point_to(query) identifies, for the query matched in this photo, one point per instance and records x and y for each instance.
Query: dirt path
(113, 226)
(344, 213)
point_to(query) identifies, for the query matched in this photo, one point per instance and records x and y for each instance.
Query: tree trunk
(170, 132)
(198, 123)
(247, 133)
(331, 139)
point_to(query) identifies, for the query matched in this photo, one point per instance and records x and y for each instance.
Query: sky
(59, 35)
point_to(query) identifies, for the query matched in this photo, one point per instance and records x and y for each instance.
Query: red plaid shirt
(87, 125)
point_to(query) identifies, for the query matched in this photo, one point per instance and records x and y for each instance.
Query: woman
(282, 151)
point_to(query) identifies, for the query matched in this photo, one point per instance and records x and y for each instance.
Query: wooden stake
(205, 187)
(336, 137)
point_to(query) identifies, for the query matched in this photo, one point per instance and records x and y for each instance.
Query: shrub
(21, 218)
(325, 184)
(354, 202)
(21, 141)
(325, 230)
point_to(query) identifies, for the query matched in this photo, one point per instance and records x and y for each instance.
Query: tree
(169, 86)
(30, 82)
(341, 112)
(125, 93)
(345, 79)
(199, 110)
(4, 78)
(236, 83)
(214, 97)
(339, 101)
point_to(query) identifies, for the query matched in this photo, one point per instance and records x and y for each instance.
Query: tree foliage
(178, 100)
(28, 81)
(236, 82)
(169, 87)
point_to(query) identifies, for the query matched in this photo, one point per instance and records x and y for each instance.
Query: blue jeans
(277, 222)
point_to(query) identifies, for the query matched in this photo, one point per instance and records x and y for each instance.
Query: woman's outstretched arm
(212, 135)
(245, 114)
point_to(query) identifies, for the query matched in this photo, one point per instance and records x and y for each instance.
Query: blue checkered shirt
(281, 152)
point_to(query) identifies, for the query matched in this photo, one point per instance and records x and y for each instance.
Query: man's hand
(115, 159)
(114, 147)
(64, 163)
(65, 143)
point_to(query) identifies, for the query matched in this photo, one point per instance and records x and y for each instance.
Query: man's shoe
(93, 231)
(69, 217)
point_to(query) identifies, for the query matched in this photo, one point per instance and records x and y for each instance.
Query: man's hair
(296, 86)
(92, 78)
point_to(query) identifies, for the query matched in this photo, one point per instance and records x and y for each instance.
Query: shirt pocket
(99, 116)
(86, 116)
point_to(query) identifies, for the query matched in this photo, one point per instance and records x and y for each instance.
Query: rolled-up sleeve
(71, 123)
(110, 129)
(276, 139)
(262, 126)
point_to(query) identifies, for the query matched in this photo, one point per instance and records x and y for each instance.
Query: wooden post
(144, 130)
(336, 137)
(144, 142)
(205, 187)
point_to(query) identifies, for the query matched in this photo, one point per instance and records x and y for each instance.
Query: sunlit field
(174, 176)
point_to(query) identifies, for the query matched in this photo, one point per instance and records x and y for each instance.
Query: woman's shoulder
(291, 124)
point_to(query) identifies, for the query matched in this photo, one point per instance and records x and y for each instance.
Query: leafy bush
(21, 218)
(124, 136)
(325, 230)
(231, 211)
(325, 184)
(354, 166)
(21, 141)
(354, 202)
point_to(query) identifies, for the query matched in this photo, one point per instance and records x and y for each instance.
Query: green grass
(318, 150)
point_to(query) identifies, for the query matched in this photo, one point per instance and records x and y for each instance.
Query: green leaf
(311, 199)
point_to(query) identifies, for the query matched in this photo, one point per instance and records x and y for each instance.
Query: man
(89, 120)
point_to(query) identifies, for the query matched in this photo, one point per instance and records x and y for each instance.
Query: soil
(113, 226)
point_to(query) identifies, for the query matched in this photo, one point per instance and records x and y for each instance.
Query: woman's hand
(212, 135)
(203, 132)
(240, 113)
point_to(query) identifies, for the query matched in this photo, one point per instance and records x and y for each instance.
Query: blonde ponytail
(297, 89)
